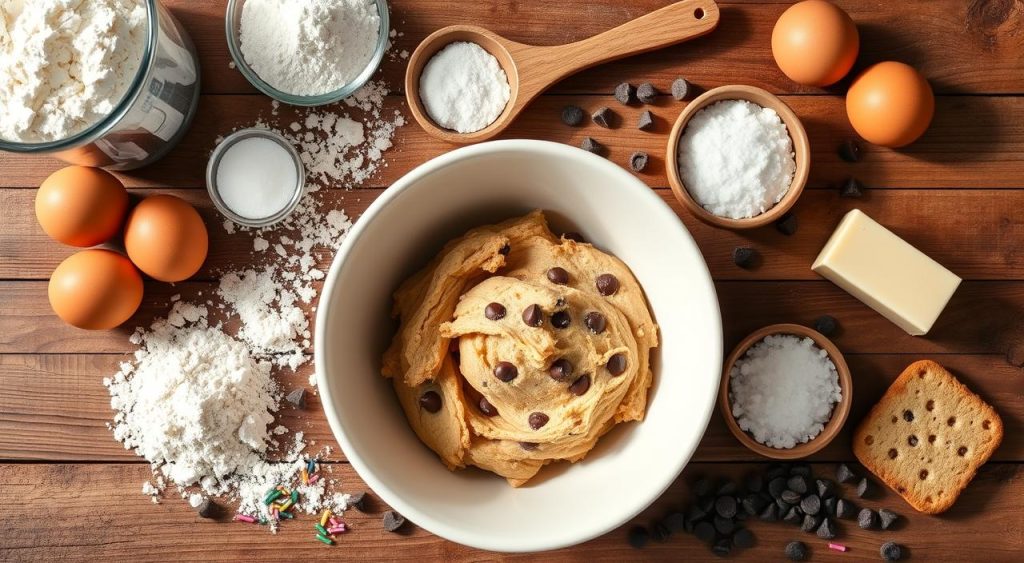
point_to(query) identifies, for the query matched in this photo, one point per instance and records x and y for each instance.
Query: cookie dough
(518, 348)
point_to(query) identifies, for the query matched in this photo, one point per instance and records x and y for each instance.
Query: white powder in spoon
(463, 87)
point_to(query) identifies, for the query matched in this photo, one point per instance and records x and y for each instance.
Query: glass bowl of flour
(307, 52)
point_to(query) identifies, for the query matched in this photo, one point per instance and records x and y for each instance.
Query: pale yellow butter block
(886, 273)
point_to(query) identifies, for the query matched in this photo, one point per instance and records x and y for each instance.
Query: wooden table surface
(72, 492)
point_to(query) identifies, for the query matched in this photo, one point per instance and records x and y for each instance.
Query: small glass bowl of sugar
(255, 178)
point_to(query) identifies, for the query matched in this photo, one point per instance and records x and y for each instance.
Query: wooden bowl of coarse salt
(785, 391)
(740, 161)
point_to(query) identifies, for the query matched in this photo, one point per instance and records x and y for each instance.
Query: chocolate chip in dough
(561, 319)
(787, 224)
(505, 371)
(592, 146)
(393, 521)
(580, 386)
(638, 161)
(603, 117)
(494, 311)
(849, 150)
(487, 408)
(796, 551)
(646, 93)
(297, 398)
(852, 188)
(357, 500)
(533, 316)
(537, 420)
(528, 446)
(505, 249)
(207, 509)
(607, 284)
(638, 537)
(744, 257)
(826, 325)
(560, 370)
(575, 237)
(430, 401)
(683, 89)
(595, 322)
(572, 115)
(891, 551)
(625, 93)
(558, 276)
(887, 518)
(616, 364)
(646, 121)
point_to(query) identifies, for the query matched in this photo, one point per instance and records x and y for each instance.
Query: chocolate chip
(852, 188)
(561, 319)
(572, 115)
(558, 276)
(207, 509)
(393, 521)
(727, 488)
(800, 469)
(537, 420)
(744, 257)
(505, 371)
(722, 547)
(494, 311)
(776, 486)
(638, 161)
(844, 474)
(770, 513)
(430, 401)
(595, 322)
(560, 370)
(864, 488)
(793, 515)
(646, 121)
(533, 316)
(743, 538)
(777, 470)
(867, 519)
(830, 505)
(845, 509)
(575, 237)
(297, 398)
(580, 386)
(607, 284)
(796, 551)
(887, 518)
(603, 117)
(725, 506)
(792, 497)
(849, 150)
(487, 408)
(798, 484)
(528, 446)
(505, 249)
(811, 504)
(827, 530)
(825, 488)
(357, 500)
(891, 551)
(660, 532)
(912, 440)
(674, 521)
(590, 145)
(724, 526)
(639, 536)
(811, 522)
(705, 531)
(646, 93)
(682, 89)
(703, 487)
(826, 325)
(787, 224)
(616, 364)
(625, 93)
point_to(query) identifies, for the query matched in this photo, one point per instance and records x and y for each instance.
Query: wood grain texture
(974, 142)
(103, 516)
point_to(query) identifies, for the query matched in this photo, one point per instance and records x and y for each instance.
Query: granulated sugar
(463, 87)
(783, 390)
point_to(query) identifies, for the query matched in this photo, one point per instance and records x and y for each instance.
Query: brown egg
(81, 206)
(890, 104)
(166, 238)
(815, 43)
(95, 289)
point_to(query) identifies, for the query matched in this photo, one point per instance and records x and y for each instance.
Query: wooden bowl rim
(839, 412)
(801, 150)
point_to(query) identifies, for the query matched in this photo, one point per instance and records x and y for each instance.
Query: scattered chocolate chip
(777, 470)
(703, 487)
(887, 518)
(753, 504)
(430, 401)
(646, 121)
(845, 509)
(811, 504)
(575, 237)
(646, 93)
(796, 551)
(607, 284)
(560, 370)
(207, 509)
(744, 257)
(595, 322)
(572, 115)
(704, 531)
(827, 530)
(776, 486)
(674, 521)
(844, 474)
(590, 145)
(505, 371)
(826, 325)
(695, 514)
(755, 482)
(580, 386)
(825, 488)
(725, 506)
(533, 316)
(660, 532)
(625, 93)
(724, 526)
(792, 497)
(357, 500)
(707, 504)
(864, 488)
(743, 538)
(830, 504)
(638, 161)
(494, 311)
(787, 224)
(770, 513)
(537, 420)
(639, 536)
(603, 117)
(558, 276)
(528, 446)
(800, 469)
(849, 150)
(682, 89)
(561, 319)
(722, 547)
(867, 519)
(727, 488)
(792, 516)
(798, 484)
(487, 408)
(852, 188)
(297, 398)
(393, 521)
(891, 551)
(616, 364)
(811, 522)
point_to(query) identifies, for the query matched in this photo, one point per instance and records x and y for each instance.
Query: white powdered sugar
(65, 64)
(463, 87)
(309, 47)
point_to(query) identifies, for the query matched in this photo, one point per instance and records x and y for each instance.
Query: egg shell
(815, 43)
(166, 238)
(81, 206)
(890, 104)
(95, 289)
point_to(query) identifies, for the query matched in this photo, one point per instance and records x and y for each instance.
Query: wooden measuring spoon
(531, 69)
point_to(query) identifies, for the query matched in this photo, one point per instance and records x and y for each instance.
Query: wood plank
(984, 35)
(136, 529)
(974, 142)
(982, 318)
(55, 408)
(945, 224)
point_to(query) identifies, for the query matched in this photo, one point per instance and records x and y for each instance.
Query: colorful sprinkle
(337, 529)
(321, 529)
(305, 476)
(263, 521)
(311, 466)
(245, 518)
(837, 547)
(314, 479)
(287, 515)
(335, 521)
(287, 505)
(325, 539)
(272, 495)
(326, 515)
(295, 497)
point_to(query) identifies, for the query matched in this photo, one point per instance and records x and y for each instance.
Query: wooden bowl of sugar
(801, 155)
(840, 410)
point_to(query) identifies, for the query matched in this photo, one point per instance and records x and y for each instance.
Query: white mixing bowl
(403, 229)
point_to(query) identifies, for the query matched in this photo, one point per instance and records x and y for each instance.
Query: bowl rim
(839, 413)
(424, 519)
(797, 133)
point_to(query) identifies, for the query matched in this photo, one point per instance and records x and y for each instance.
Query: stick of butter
(886, 273)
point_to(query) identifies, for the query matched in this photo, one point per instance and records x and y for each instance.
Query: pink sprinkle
(335, 522)
(245, 518)
(337, 529)
(314, 479)
(273, 512)
(837, 547)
